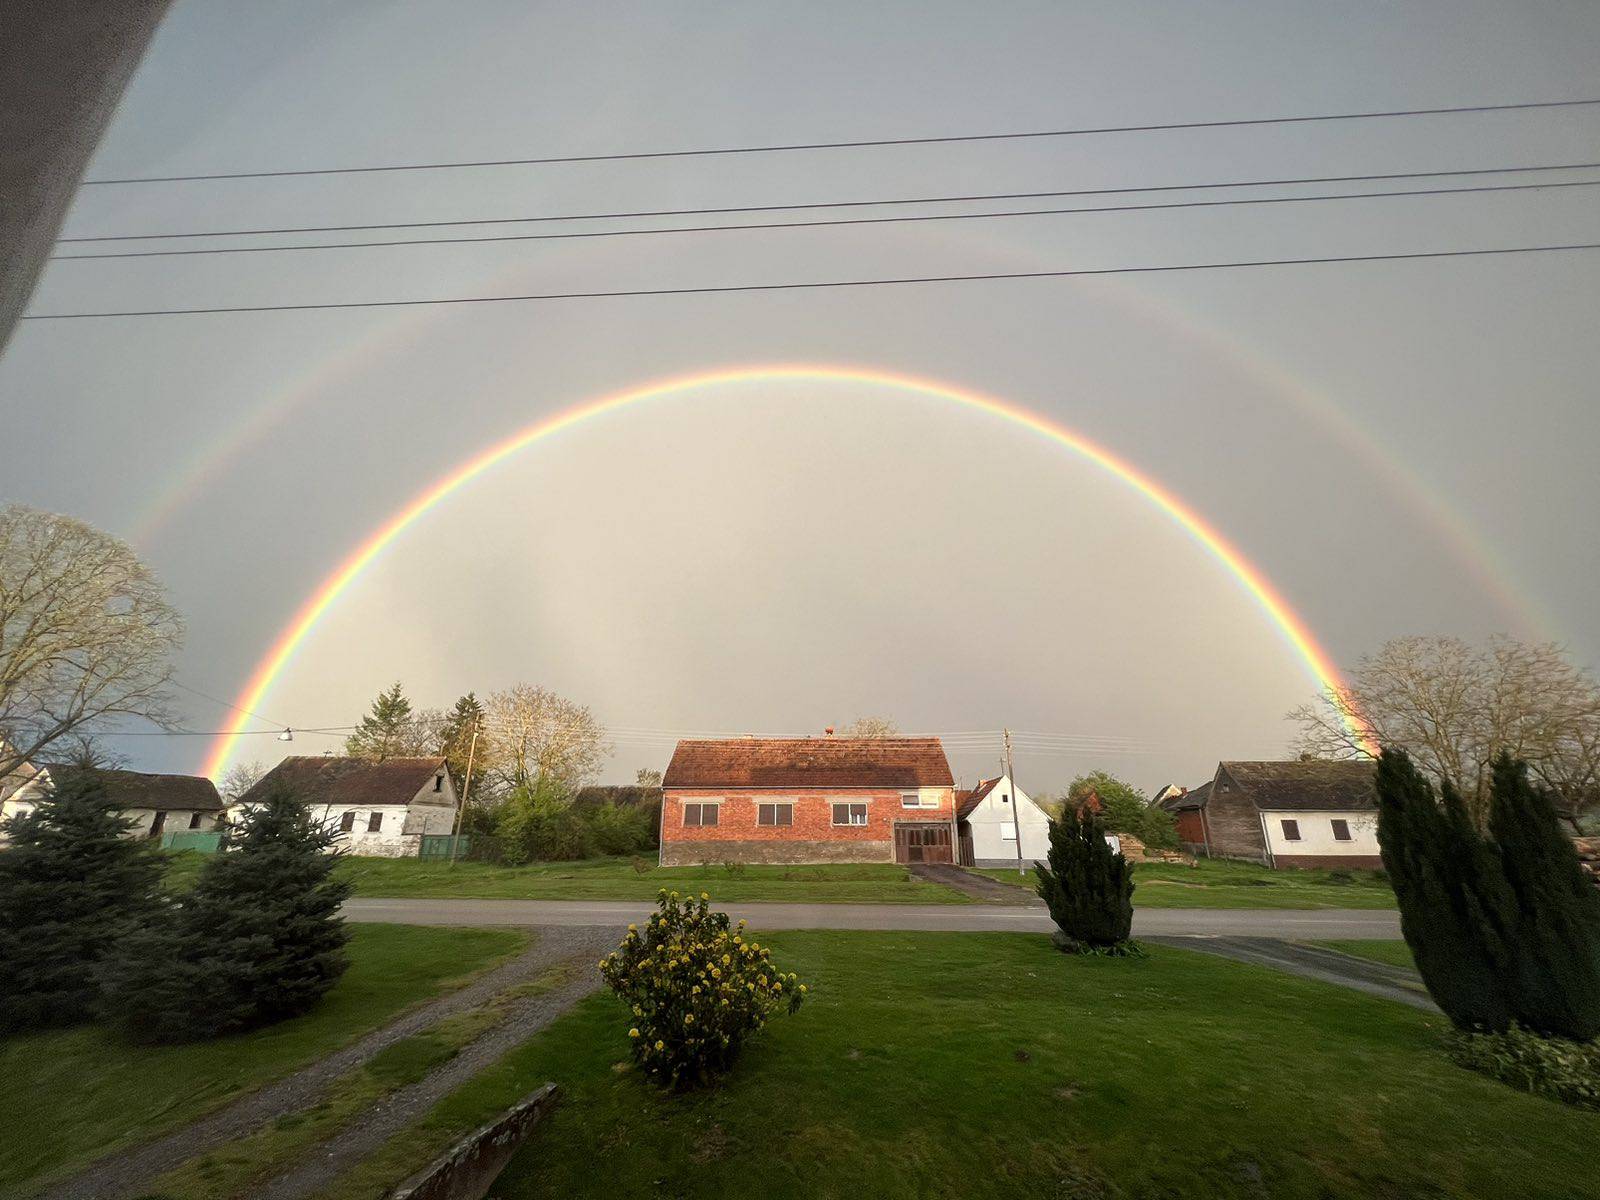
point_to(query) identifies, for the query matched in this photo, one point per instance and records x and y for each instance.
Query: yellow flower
(802, 989)
(632, 928)
(661, 1045)
(633, 1033)
(688, 1018)
(726, 959)
(662, 922)
(705, 895)
(777, 987)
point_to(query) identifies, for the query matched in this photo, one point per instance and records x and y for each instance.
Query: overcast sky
(1401, 447)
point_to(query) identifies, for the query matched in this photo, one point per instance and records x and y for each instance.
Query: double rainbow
(1293, 629)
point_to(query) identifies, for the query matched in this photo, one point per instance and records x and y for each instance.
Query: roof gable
(967, 801)
(363, 782)
(809, 763)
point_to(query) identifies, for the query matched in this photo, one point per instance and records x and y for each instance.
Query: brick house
(1304, 813)
(808, 800)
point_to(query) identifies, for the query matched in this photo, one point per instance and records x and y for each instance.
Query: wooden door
(922, 842)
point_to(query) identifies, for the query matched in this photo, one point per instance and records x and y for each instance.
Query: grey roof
(140, 789)
(1193, 798)
(364, 782)
(1304, 785)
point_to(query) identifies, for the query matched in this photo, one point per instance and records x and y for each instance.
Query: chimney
(828, 731)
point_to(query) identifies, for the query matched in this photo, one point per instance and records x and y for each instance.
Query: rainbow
(1293, 629)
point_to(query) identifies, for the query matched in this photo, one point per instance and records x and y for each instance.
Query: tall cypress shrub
(1087, 885)
(1555, 975)
(1456, 911)
(72, 885)
(259, 939)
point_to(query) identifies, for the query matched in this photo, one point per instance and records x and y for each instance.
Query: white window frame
(910, 799)
(850, 806)
(1008, 831)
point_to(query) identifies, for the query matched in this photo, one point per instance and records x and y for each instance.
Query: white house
(987, 818)
(381, 809)
(156, 804)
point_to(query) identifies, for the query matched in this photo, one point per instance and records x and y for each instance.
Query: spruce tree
(72, 884)
(455, 740)
(1555, 977)
(1456, 911)
(259, 939)
(386, 731)
(1087, 885)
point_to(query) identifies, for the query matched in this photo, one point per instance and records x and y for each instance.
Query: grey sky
(778, 558)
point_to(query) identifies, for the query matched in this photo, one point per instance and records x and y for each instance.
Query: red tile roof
(967, 801)
(809, 763)
(358, 781)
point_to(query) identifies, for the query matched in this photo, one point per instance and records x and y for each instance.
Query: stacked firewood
(1589, 856)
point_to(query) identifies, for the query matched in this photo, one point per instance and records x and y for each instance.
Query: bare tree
(1453, 706)
(85, 633)
(870, 727)
(647, 777)
(531, 735)
(239, 779)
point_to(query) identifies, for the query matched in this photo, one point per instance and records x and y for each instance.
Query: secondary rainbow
(1293, 629)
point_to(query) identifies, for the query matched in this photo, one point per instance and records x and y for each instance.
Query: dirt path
(129, 1172)
(347, 1147)
(1315, 962)
(979, 887)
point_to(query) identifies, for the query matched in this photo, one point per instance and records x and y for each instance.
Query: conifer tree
(386, 731)
(71, 885)
(259, 939)
(1555, 973)
(455, 741)
(1456, 911)
(1087, 885)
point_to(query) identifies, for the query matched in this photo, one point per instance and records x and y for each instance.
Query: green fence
(204, 840)
(474, 847)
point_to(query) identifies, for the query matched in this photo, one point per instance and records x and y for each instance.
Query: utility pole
(1016, 809)
(466, 790)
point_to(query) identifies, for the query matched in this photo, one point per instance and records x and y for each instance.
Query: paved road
(1315, 962)
(1307, 925)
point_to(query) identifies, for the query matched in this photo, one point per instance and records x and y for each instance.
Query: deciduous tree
(85, 633)
(1453, 707)
(535, 737)
(870, 727)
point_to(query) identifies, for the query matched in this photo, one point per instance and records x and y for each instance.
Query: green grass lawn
(989, 1065)
(1218, 883)
(617, 879)
(75, 1094)
(1394, 954)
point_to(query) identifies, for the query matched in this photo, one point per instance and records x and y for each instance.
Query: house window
(1008, 831)
(157, 824)
(194, 820)
(1005, 799)
(438, 782)
(910, 800)
(347, 822)
(1291, 831)
(775, 814)
(849, 814)
(700, 814)
(1341, 831)
(375, 822)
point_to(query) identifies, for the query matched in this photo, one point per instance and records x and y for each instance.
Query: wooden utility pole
(1016, 809)
(466, 790)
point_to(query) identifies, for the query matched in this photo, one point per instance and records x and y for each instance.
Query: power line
(850, 145)
(756, 208)
(728, 289)
(770, 225)
(228, 704)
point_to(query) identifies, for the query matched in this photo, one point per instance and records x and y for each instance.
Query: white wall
(400, 831)
(1316, 833)
(992, 820)
(143, 818)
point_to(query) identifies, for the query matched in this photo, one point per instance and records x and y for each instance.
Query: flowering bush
(697, 988)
